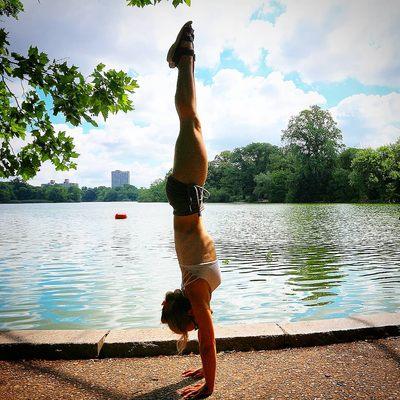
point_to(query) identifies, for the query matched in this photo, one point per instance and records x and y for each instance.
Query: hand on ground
(194, 373)
(197, 391)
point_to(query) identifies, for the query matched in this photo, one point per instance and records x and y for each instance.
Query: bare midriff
(193, 243)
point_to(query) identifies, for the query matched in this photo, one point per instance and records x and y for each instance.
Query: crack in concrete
(286, 333)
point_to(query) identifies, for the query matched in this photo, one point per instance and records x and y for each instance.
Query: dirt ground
(359, 370)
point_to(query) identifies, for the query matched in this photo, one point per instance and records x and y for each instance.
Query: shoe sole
(172, 49)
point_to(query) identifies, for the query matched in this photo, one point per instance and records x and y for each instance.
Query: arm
(199, 296)
(208, 354)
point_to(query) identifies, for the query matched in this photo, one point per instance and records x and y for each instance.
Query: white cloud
(321, 40)
(369, 121)
(239, 110)
(326, 40)
(235, 110)
(128, 37)
(334, 40)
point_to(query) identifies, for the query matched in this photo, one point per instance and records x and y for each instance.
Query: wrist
(208, 388)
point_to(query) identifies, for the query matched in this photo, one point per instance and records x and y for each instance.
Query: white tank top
(208, 271)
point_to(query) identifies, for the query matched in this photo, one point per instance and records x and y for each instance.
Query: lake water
(73, 266)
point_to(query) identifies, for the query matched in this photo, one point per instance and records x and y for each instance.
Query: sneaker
(177, 50)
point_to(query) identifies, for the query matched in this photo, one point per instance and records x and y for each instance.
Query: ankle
(184, 61)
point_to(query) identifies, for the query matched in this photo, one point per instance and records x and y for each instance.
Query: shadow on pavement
(166, 392)
(390, 352)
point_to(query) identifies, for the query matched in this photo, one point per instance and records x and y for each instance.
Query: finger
(185, 390)
(194, 394)
(189, 395)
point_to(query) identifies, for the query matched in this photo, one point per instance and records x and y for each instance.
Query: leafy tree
(250, 161)
(391, 167)
(223, 179)
(346, 157)
(376, 173)
(128, 192)
(88, 194)
(314, 142)
(74, 193)
(367, 175)
(56, 193)
(77, 98)
(111, 195)
(6, 192)
(340, 188)
(271, 186)
(155, 193)
(231, 173)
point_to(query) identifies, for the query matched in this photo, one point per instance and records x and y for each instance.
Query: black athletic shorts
(185, 199)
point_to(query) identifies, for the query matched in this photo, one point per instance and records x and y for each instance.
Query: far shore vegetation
(312, 166)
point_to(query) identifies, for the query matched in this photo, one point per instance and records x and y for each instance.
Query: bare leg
(192, 242)
(190, 161)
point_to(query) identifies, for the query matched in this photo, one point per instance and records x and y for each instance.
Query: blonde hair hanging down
(175, 313)
(182, 343)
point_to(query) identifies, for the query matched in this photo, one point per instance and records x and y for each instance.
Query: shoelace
(201, 194)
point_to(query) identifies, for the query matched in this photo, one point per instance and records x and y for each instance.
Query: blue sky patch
(335, 92)
(277, 10)
(228, 60)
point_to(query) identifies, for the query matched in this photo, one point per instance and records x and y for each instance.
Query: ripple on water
(278, 262)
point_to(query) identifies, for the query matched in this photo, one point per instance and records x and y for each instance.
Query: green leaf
(100, 67)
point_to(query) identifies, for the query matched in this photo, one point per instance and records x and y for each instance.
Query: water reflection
(315, 260)
(316, 270)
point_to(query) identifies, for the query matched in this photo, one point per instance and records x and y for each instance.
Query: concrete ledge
(338, 330)
(153, 342)
(160, 341)
(139, 343)
(245, 337)
(51, 344)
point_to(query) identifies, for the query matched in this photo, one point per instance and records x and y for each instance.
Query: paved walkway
(359, 370)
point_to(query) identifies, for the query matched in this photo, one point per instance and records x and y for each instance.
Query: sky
(257, 64)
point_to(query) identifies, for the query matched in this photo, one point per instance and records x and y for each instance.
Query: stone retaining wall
(86, 344)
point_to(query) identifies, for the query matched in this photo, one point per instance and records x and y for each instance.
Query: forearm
(208, 356)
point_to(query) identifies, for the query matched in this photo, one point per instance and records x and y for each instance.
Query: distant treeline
(19, 191)
(312, 166)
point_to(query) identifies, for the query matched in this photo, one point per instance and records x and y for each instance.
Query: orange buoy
(120, 216)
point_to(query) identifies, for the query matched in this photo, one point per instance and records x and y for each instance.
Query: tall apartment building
(119, 178)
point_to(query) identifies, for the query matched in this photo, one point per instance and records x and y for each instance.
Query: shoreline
(208, 202)
(103, 343)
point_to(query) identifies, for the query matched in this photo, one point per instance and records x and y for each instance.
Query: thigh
(190, 161)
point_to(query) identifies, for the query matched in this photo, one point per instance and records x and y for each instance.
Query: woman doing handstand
(188, 308)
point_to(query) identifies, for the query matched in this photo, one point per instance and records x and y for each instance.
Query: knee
(186, 110)
(190, 119)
